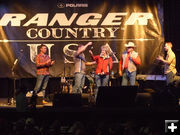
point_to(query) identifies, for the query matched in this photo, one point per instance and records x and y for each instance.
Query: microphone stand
(14, 83)
(109, 73)
(64, 80)
(14, 78)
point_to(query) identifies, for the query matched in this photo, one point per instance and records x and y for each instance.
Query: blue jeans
(128, 77)
(101, 81)
(79, 82)
(41, 84)
(169, 78)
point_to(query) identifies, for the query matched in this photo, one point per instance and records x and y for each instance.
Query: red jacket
(103, 65)
(136, 61)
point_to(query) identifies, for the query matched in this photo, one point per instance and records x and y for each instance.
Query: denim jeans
(169, 78)
(79, 82)
(41, 84)
(128, 77)
(101, 81)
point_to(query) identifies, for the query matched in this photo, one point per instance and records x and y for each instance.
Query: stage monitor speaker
(165, 99)
(67, 100)
(123, 96)
(143, 99)
(21, 102)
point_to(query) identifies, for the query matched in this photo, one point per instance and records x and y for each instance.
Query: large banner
(62, 25)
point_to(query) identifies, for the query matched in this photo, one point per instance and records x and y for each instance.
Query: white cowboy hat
(130, 44)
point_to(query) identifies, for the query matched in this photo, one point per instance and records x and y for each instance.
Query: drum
(88, 84)
(66, 85)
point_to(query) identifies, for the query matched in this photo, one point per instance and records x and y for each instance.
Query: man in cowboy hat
(128, 65)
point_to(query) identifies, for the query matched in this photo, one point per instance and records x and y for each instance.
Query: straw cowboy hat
(130, 44)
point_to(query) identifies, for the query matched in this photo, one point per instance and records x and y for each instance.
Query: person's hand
(133, 55)
(52, 62)
(48, 62)
(102, 73)
(89, 43)
(90, 52)
(120, 73)
(160, 58)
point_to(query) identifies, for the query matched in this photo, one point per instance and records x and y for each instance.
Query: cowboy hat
(130, 44)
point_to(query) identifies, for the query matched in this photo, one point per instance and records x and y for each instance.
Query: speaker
(143, 99)
(21, 102)
(123, 96)
(67, 100)
(165, 99)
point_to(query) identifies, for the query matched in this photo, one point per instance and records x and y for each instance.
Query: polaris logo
(76, 5)
(61, 5)
(72, 5)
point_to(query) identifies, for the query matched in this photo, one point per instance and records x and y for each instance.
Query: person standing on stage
(79, 68)
(128, 65)
(169, 63)
(104, 65)
(43, 62)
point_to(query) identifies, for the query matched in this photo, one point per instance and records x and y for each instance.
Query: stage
(150, 92)
(87, 111)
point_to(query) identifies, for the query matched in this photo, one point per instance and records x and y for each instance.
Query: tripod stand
(65, 82)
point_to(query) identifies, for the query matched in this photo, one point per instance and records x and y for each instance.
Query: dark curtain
(172, 26)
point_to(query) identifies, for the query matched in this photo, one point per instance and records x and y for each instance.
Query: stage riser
(70, 100)
(116, 96)
(38, 101)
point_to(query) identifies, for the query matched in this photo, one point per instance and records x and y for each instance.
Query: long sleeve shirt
(129, 61)
(104, 64)
(171, 65)
(42, 66)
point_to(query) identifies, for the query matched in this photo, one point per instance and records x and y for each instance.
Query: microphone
(21, 50)
(91, 48)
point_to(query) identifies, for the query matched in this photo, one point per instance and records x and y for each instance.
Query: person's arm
(83, 48)
(42, 64)
(90, 63)
(137, 60)
(169, 61)
(38, 63)
(52, 62)
(120, 67)
(111, 63)
(94, 58)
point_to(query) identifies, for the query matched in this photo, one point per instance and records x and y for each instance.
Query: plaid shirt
(42, 67)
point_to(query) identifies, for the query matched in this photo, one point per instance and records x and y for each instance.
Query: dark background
(172, 26)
